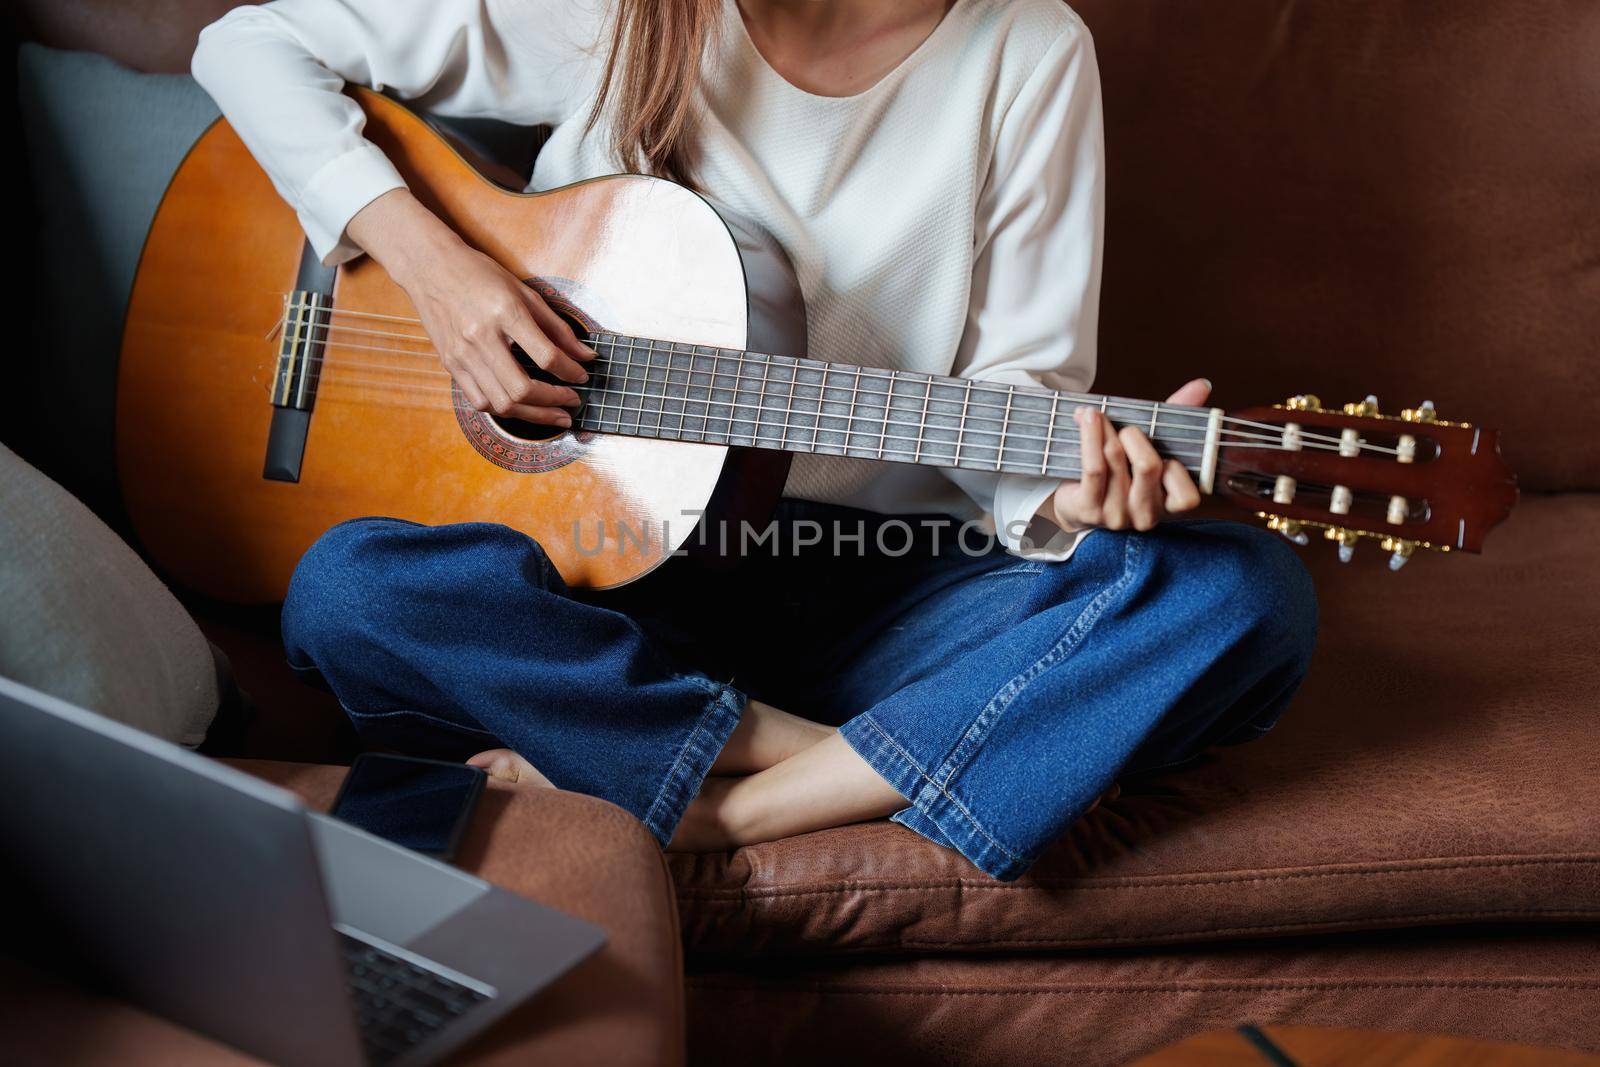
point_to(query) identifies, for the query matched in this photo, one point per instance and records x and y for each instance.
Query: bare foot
(707, 823)
(507, 766)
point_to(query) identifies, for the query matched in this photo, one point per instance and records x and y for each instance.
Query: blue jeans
(999, 696)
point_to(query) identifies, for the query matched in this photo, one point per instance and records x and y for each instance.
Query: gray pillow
(103, 143)
(83, 619)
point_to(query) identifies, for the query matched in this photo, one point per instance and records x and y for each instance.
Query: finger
(462, 374)
(1145, 496)
(1193, 393)
(504, 380)
(1091, 488)
(1182, 493)
(527, 333)
(513, 377)
(541, 416)
(556, 328)
(1117, 478)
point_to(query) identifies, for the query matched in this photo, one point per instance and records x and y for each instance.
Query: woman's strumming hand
(1125, 482)
(474, 310)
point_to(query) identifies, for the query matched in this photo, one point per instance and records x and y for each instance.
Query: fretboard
(644, 388)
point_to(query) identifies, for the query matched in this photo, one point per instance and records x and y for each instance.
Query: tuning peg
(1400, 551)
(1303, 402)
(1367, 408)
(1347, 542)
(1289, 528)
(1424, 413)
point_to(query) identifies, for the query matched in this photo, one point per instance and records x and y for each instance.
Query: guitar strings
(1022, 417)
(715, 353)
(619, 342)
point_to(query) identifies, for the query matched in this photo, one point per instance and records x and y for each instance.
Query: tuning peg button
(1347, 542)
(1291, 530)
(1341, 500)
(1400, 551)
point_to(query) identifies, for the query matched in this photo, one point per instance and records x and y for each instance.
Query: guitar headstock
(1404, 481)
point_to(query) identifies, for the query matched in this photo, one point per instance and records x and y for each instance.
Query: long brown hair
(652, 74)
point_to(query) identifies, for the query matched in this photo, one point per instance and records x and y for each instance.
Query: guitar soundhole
(532, 431)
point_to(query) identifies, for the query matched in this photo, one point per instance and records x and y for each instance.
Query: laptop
(221, 903)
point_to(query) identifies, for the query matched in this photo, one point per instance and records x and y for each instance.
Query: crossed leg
(778, 775)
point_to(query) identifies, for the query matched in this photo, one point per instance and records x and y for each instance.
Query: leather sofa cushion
(1439, 766)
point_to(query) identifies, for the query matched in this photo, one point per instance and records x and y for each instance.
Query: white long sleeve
(278, 72)
(1033, 311)
(946, 220)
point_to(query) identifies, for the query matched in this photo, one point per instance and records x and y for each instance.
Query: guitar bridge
(303, 338)
(302, 341)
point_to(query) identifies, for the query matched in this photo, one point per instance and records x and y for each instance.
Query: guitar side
(194, 412)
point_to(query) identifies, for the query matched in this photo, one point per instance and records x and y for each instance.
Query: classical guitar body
(237, 450)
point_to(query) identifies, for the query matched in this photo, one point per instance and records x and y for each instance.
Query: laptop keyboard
(398, 1004)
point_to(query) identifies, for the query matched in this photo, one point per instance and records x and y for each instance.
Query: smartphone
(422, 804)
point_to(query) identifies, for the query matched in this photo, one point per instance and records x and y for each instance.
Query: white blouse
(947, 220)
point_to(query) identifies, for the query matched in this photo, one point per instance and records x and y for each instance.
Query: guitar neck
(645, 388)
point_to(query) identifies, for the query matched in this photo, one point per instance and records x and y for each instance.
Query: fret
(981, 431)
(1005, 425)
(808, 378)
(595, 403)
(833, 422)
(739, 419)
(698, 393)
(961, 427)
(636, 385)
(922, 420)
(902, 423)
(659, 386)
(785, 368)
(867, 419)
(888, 402)
(761, 397)
(677, 361)
(1050, 429)
(941, 433)
(850, 422)
(1155, 411)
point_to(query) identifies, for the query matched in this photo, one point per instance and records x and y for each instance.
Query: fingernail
(1208, 384)
(583, 375)
(563, 421)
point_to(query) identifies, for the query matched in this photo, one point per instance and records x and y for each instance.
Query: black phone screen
(419, 803)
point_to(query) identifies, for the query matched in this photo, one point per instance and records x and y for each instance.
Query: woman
(934, 171)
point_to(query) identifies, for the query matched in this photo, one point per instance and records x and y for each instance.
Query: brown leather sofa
(1350, 197)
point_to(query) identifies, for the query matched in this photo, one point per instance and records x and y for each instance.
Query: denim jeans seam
(972, 740)
(920, 803)
(357, 716)
(673, 785)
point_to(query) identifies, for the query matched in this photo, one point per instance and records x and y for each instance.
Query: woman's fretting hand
(473, 310)
(1125, 482)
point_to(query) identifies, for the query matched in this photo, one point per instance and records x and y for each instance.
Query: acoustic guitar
(263, 398)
